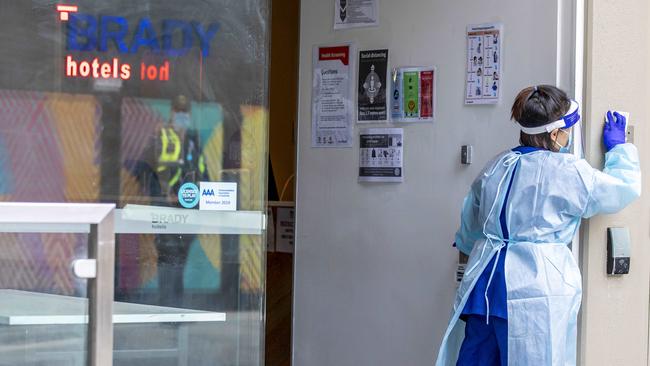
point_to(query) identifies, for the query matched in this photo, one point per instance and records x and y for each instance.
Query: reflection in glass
(192, 110)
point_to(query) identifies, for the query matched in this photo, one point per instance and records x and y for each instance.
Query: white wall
(615, 309)
(374, 266)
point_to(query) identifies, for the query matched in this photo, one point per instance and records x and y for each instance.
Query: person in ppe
(519, 298)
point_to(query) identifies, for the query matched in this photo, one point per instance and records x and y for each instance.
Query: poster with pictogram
(371, 86)
(413, 94)
(484, 72)
(355, 14)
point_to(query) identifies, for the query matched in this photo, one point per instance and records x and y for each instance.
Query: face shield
(568, 123)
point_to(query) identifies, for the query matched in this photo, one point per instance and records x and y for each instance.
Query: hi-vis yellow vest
(169, 156)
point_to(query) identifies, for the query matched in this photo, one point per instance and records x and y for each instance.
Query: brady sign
(91, 33)
(94, 33)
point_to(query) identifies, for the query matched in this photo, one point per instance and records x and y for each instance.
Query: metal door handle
(85, 268)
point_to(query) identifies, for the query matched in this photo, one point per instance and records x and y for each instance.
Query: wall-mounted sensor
(618, 250)
(466, 154)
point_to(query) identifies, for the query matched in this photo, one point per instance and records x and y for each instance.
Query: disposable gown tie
(506, 161)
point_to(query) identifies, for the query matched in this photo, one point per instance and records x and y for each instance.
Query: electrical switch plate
(629, 129)
(629, 134)
(466, 154)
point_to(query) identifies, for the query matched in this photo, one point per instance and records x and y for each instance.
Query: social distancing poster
(372, 86)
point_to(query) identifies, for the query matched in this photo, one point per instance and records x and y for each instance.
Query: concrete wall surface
(374, 266)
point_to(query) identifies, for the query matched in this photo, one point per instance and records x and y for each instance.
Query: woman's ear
(554, 134)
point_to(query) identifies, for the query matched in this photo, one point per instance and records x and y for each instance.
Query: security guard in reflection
(179, 157)
(177, 160)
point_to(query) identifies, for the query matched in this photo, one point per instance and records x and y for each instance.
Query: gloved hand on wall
(614, 130)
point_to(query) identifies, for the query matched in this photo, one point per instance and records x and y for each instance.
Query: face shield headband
(571, 118)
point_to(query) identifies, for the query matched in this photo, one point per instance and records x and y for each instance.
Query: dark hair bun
(539, 105)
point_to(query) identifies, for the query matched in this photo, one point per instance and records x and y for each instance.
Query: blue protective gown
(476, 303)
(550, 193)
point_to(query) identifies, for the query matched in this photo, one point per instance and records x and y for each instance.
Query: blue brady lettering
(86, 32)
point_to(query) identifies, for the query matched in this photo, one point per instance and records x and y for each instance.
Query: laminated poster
(483, 82)
(355, 13)
(332, 96)
(286, 221)
(381, 155)
(413, 94)
(371, 87)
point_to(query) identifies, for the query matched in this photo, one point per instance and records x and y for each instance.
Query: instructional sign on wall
(332, 91)
(413, 94)
(286, 221)
(371, 88)
(355, 13)
(483, 82)
(381, 155)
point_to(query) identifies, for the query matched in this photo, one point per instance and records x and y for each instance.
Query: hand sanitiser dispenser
(618, 250)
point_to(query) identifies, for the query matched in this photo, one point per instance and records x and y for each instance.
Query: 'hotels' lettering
(113, 69)
(96, 69)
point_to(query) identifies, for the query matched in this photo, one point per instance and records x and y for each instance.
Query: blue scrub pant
(484, 344)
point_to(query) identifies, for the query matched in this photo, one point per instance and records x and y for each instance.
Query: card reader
(618, 250)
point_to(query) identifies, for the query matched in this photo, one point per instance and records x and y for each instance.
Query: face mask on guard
(182, 119)
(569, 145)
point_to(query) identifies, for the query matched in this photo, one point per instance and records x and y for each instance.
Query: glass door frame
(98, 269)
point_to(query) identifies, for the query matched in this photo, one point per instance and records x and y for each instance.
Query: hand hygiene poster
(381, 155)
(483, 84)
(413, 94)
(371, 96)
(332, 91)
(355, 13)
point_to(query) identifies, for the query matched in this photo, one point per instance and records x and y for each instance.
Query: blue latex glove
(614, 130)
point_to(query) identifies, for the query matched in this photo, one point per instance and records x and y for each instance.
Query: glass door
(40, 322)
(161, 108)
(43, 307)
